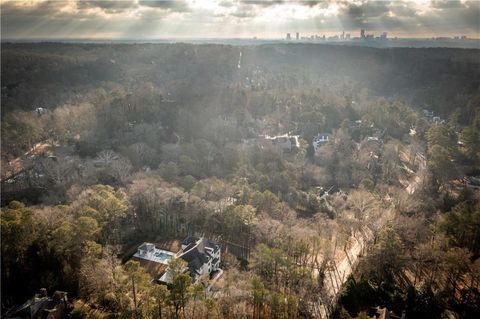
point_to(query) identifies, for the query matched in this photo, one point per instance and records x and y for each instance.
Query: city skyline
(138, 19)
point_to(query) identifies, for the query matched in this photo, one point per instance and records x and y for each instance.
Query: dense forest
(107, 146)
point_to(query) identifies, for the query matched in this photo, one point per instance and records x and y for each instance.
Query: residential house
(285, 142)
(428, 114)
(201, 255)
(372, 142)
(41, 111)
(153, 259)
(438, 120)
(42, 307)
(319, 140)
(383, 313)
(148, 251)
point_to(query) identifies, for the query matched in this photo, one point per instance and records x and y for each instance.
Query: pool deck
(159, 256)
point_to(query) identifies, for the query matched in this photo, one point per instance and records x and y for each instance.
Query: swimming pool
(163, 257)
(155, 255)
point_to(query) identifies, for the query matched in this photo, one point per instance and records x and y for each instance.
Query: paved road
(413, 183)
(339, 271)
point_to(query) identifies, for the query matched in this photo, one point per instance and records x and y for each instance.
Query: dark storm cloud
(364, 15)
(108, 6)
(252, 8)
(39, 20)
(388, 23)
(367, 9)
(402, 16)
(40, 9)
(268, 3)
(471, 14)
(116, 6)
(41, 17)
(242, 14)
(263, 3)
(171, 5)
(226, 3)
(314, 3)
(400, 9)
(445, 4)
(465, 18)
(140, 18)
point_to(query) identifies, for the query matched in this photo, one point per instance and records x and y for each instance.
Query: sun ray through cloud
(236, 18)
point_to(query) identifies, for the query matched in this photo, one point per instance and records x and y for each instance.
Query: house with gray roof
(201, 255)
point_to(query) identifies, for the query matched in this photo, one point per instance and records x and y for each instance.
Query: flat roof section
(156, 255)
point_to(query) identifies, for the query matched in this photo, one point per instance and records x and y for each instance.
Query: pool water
(162, 256)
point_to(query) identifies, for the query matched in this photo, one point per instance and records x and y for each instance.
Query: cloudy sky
(155, 19)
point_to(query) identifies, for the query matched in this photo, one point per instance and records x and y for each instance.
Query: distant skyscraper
(362, 33)
(298, 36)
(288, 36)
(383, 36)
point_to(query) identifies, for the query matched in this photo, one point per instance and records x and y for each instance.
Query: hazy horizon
(219, 19)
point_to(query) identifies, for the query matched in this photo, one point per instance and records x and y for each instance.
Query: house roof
(37, 307)
(211, 244)
(146, 246)
(153, 268)
(196, 255)
(382, 313)
(189, 240)
(320, 137)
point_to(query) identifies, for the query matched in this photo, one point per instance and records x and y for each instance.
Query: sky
(165, 19)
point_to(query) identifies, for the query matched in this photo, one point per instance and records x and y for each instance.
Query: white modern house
(319, 140)
(286, 142)
(201, 255)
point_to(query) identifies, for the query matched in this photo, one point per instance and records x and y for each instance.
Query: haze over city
(150, 19)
